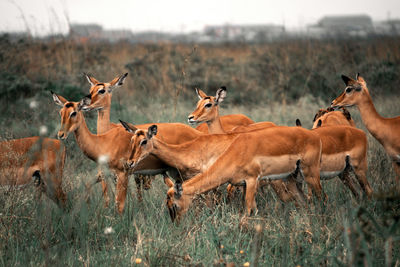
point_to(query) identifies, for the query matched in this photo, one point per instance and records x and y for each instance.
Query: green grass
(345, 232)
(276, 82)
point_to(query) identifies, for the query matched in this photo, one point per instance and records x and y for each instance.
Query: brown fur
(385, 130)
(115, 143)
(331, 117)
(102, 103)
(20, 158)
(249, 156)
(215, 124)
(209, 117)
(339, 142)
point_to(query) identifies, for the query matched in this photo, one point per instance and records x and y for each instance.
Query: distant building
(81, 32)
(15, 36)
(256, 33)
(351, 25)
(85, 32)
(387, 27)
(116, 35)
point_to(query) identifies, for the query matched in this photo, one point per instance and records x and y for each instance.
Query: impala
(207, 111)
(274, 153)
(34, 158)
(114, 144)
(100, 99)
(344, 149)
(330, 116)
(286, 151)
(189, 158)
(385, 130)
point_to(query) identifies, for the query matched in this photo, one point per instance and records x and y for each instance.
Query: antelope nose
(190, 118)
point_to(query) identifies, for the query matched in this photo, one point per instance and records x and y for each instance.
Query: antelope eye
(208, 105)
(73, 114)
(102, 91)
(143, 142)
(348, 89)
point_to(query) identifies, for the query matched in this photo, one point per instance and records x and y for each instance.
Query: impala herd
(230, 149)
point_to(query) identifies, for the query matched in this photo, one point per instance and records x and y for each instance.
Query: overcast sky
(52, 16)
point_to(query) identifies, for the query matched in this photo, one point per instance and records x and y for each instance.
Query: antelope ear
(319, 114)
(59, 100)
(221, 94)
(298, 122)
(151, 131)
(200, 93)
(91, 79)
(178, 190)
(128, 126)
(315, 117)
(360, 79)
(319, 124)
(85, 103)
(117, 81)
(347, 80)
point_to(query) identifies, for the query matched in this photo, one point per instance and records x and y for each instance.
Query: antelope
(273, 153)
(182, 157)
(207, 111)
(330, 116)
(344, 148)
(114, 144)
(385, 130)
(100, 99)
(34, 159)
(200, 157)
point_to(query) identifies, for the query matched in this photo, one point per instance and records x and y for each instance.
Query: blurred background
(280, 60)
(262, 51)
(208, 21)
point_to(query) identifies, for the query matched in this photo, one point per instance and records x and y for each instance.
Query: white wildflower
(43, 130)
(108, 230)
(33, 104)
(103, 159)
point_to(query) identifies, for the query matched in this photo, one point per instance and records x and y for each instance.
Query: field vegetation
(276, 82)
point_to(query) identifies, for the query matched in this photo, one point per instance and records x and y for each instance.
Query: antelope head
(71, 116)
(333, 116)
(101, 93)
(207, 106)
(177, 202)
(354, 92)
(141, 143)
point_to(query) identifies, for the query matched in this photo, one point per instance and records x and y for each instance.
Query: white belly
(277, 176)
(329, 174)
(332, 165)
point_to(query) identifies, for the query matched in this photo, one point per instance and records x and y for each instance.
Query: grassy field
(277, 82)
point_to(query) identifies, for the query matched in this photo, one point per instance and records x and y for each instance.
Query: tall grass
(277, 82)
